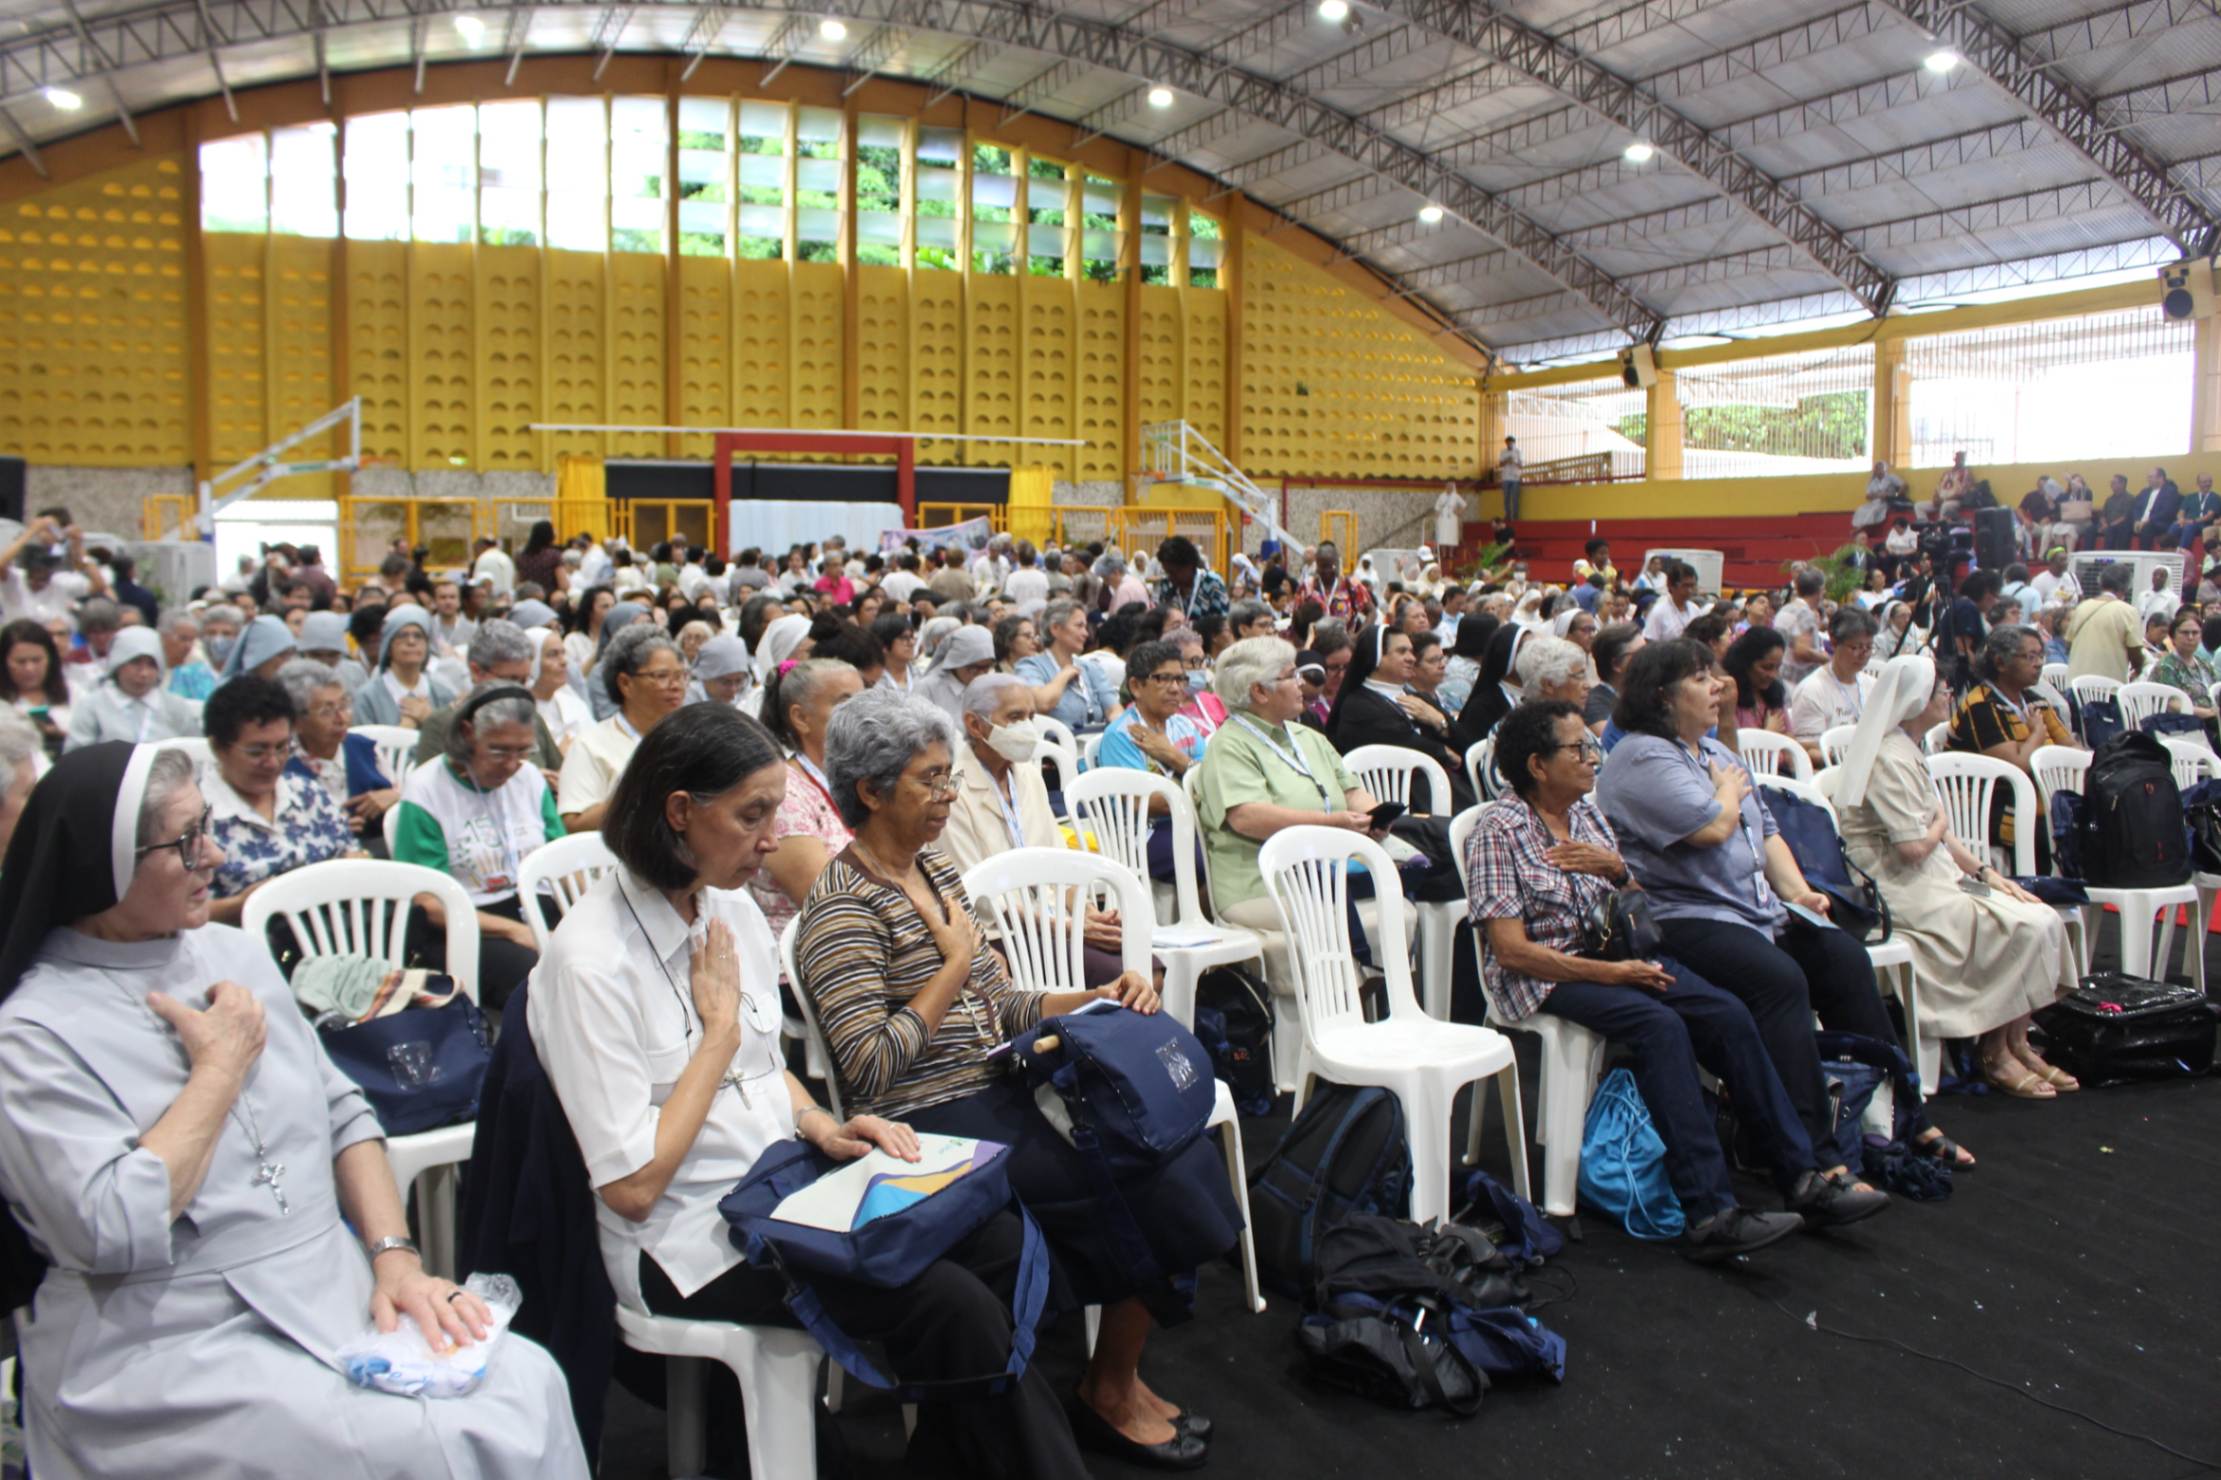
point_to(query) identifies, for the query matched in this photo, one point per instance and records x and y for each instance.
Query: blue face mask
(219, 649)
(1198, 680)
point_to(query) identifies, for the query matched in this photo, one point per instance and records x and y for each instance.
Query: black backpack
(2130, 833)
(1346, 1153)
(1421, 1317)
(1854, 903)
(2114, 1028)
(1234, 1018)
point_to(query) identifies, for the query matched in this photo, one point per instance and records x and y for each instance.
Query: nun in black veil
(177, 1154)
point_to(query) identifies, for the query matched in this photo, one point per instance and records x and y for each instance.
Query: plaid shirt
(1207, 598)
(1512, 880)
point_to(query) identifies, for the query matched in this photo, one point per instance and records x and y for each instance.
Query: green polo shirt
(1246, 764)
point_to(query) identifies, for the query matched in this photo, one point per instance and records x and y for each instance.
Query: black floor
(2079, 1266)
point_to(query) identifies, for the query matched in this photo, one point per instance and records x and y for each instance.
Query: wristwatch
(391, 1242)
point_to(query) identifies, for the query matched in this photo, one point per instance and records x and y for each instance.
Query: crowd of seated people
(823, 741)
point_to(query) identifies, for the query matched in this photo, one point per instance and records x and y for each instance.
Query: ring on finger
(453, 1296)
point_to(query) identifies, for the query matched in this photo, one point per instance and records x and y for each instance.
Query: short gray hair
(628, 652)
(170, 769)
(983, 695)
(1110, 563)
(516, 709)
(220, 611)
(1056, 614)
(1184, 636)
(176, 617)
(2000, 646)
(1242, 613)
(1850, 624)
(302, 677)
(1550, 660)
(499, 641)
(1252, 662)
(2117, 578)
(98, 614)
(933, 633)
(872, 738)
(18, 742)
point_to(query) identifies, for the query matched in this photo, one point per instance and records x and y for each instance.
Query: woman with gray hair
(643, 676)
(22, 753)
(917, 1011)
(473, 814)
(1553, 668)
(199, 1190)
(326, 752)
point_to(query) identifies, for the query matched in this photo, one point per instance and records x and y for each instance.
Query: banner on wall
(966, 535)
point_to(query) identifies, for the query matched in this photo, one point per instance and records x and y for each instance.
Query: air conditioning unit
(2186, 289)
(1638, 367)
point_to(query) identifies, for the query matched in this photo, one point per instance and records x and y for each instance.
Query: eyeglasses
(507, 752)
(940, 783)
(187, 844)
(1169, 679)
(261, 755)
(1590, 750)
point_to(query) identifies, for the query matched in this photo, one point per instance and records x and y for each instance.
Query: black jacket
(1368, 717)
(1484, 707)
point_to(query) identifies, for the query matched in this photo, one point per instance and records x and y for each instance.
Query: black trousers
(1784, 982)
(953, 1321)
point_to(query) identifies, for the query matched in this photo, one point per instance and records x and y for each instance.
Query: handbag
(1622, 928)
(885, 1230)
(420, 1068)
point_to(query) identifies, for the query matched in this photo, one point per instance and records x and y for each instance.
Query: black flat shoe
(1735, 1231)
(1183, 1451)
(1194, 1425)
(1833, 1202)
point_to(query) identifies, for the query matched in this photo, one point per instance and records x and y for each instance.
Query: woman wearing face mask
(1202, 708)
(1373, 708)
(132, 705)
(798, 709)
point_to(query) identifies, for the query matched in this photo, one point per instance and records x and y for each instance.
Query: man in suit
(2156, 508)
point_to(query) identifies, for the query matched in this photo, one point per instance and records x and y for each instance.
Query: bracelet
(819, 1109)
(392, 1242)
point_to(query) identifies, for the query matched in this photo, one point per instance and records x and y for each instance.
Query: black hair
(1366, 646)
(704, 750)
(1610, 643)
(1530, 730)
(365, 622)
(1422, 640)
(1745, 653)
(27, 631)
(245, 700)
(1473, 636)
(758, 613)
(1496, 663)
(1209, 627)
(542, 536)
(852, 645)
(1707, 629)
(1599, 543)
(1145, 658)
(1308, 614)
(1150, 625)
(1006, 636)
(891, 626)
(1179, 553)
(1642, 708)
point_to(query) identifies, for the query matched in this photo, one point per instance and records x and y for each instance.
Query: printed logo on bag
(1177, 1066)
(413, 1064)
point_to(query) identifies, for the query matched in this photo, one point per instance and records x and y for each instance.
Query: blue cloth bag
(420, 1068)
(1137, 1087)
(893, 1241)
(1623, 1162)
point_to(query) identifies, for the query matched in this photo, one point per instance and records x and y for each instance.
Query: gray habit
(206, 1346)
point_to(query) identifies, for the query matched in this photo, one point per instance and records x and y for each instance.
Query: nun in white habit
(1989, 953)
(130, 703)
(177, 1154)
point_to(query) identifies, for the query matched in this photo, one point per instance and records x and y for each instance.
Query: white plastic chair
(2062, 768)
(1061, 749)
(813, 1035)
(360, 907)
(1112, 803)
(1480, 769)
(2193, 761)
(1033, 897)
(2093, 686)
(1089, 748)
(1287, 1031)
(2055, 674)
(777, 1369)
(1420, 1059)
(2141, 700)
(1571, 1059)
(1835, 744)
(1765, 753)
(1937, 740)
(395, 746)
(565, 868)
(1891, 959)
(1393, 774)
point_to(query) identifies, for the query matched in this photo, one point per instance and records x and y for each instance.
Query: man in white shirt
(595, 568)
(33, 581)
(1028, 582)
(2160, 600)
(903, 581)
(1510, 466)
(694, 581)
(494, 566)
(1835, 692)
(1675, 610)
(1799, 624)
(991, 566)
(2055, 585)
(451, 630)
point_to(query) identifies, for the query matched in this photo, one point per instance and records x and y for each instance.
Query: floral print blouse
(309, 828)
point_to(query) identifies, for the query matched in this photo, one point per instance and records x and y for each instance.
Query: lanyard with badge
(816, 778)
(1742, 825)
(754, 1010)
(1294, 759)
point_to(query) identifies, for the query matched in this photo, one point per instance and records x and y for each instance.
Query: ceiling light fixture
(1639, 152)
(1430, 214)
(1160, 96)
(1335, 11)
(471, 29)
(832, 28)
(1942, 60)
(64, 99)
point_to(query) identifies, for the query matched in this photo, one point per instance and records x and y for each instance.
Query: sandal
(2058, 1078)
(1941, 1148)
(2015, 1079)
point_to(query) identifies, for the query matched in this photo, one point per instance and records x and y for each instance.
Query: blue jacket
(361, 759)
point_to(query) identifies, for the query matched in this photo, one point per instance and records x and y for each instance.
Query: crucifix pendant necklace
(267, 1173)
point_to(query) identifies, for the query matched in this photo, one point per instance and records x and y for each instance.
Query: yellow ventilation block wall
(1204, 388)
(441, 358)
(1048, 377)
(763, 355)
(882, 349)
(92, 321)
(509, 359)
(994, 366)
(1333, 387)
(817, 345)
(231, 271)
(572, 353)
(1100, 409)
(705, 389)
(298, 316)
(636, 370)
(937, 361)
(378, 347)
(1163, 360)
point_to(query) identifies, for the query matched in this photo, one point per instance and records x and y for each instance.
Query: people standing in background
(2104, 635)
(1510, 466)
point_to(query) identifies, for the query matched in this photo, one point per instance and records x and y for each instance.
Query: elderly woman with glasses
(643, 676)
(209, 1212)
(267, 821)
(1541, 863)
(917, 1010)
(344, 764)
(473, 814)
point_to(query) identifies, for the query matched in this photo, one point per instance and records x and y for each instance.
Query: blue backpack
(1623, 1162)
(900, 1227)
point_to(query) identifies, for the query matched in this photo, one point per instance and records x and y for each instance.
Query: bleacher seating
(1758, 550)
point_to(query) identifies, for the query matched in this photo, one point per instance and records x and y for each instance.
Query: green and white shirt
(477, 837)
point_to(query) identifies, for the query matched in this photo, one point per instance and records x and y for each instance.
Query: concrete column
(1893, 410)
(1663, 422)
(2205, 379)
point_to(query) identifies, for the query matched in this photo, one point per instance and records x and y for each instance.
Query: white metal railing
(268, 466)
(1175, 452)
